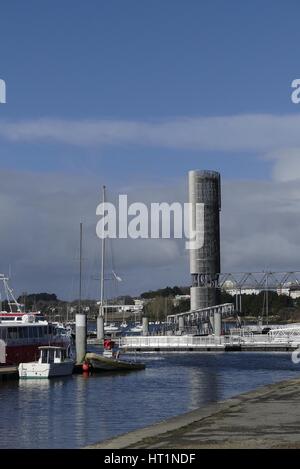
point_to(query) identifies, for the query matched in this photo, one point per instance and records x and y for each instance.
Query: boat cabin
(52, 354)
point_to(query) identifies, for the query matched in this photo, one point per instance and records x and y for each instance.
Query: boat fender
(85, 366)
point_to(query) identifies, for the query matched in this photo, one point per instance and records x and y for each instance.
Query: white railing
(226, 309)
(186, 341)
(285, 333)
(171, 341)
(295, 325)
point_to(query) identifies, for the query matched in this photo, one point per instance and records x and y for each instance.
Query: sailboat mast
(102, 264)
(267, 299)
(80, 270)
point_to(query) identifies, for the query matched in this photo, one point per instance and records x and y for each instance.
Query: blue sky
(159, 66)
(144, 60)
(138, 59)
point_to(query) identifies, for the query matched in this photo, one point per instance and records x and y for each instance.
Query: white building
(230, 288)
(290, 289)
(179, 298)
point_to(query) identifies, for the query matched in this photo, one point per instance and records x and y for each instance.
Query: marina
(149, 234)
(71, 385)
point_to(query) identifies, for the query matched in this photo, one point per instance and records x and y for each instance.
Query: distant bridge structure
(237, 283)
(268, 280)
(202, 315)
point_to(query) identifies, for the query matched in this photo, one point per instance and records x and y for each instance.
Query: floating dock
(8, 372)
(187, 343)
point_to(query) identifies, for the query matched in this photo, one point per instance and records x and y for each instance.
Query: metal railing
(226, 309)
(186, 341)
(170, 341)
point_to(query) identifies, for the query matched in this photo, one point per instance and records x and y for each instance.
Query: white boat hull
(45, 370)
(136, 329)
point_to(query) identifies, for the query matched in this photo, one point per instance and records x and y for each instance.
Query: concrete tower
(205, 188)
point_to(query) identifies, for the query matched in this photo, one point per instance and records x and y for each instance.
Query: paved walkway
(266, 418)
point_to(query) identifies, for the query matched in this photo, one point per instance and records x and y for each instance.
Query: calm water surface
(76, 411)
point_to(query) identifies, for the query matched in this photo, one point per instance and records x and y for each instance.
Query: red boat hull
(24, 353)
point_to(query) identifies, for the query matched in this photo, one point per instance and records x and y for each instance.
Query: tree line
(160, 303)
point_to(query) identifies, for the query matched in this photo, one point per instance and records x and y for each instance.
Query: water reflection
(34, 384)
(203, 388)
(75, 411)
(80, 403)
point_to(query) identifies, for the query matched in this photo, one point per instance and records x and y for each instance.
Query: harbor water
(75, 411)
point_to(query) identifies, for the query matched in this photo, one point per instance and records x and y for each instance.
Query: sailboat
(109, 360)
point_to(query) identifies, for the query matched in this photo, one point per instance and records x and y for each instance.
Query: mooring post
(217, 324)
(181, 324)
(80, 337)
(100, 328)
(145, 326)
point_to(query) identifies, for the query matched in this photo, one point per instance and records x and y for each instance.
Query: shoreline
(267, 417)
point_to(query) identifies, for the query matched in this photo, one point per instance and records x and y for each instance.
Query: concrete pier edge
(173, 424)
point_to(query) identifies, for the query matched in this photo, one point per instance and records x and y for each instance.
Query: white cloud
(248, 132)
(39, 236)
(260, 226)
(286, 164)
